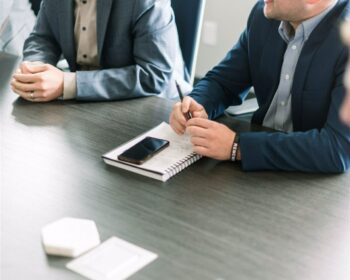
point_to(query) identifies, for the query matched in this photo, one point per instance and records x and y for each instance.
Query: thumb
(32, 67)
(24, 68)
(192, 105)
(186, 103)
(36, 68)
(18, 71)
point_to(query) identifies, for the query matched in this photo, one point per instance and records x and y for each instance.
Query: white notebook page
(179, 149)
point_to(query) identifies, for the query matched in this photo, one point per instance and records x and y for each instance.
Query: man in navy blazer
(292, 54)
(115, 49)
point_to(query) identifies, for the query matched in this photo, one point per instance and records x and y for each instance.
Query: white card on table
(114, 259)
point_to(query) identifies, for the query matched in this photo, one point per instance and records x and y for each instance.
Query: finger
(177, 126)
(39, 100)
(193, 106)
(24, 95)
(30, 96)
(178, 131)
(36, 68)
(196, 131)
(27, 78)
(201, 151)
(199, 114)
(14, 90)
(38, 94)
(189, 105)
(178, 115)
(200, 122)
(199, 141)
(185, 104)
(24, 67)
(24, 86)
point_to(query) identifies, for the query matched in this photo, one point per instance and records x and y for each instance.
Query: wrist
(69, 85)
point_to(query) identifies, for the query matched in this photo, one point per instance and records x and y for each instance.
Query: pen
(188, 115)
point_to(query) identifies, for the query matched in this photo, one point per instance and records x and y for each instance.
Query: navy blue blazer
(320, 142)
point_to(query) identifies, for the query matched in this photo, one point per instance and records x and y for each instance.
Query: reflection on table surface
(211, 221)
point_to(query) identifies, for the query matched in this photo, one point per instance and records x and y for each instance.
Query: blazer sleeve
(41, 44)
(155, 40)
(318, 150)
(229, 82)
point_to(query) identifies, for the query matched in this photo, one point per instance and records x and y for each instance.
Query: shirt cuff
(69, 85)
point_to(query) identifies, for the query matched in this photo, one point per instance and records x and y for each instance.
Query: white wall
(224, 20)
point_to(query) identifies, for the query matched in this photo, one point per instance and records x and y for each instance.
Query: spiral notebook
(163, 165)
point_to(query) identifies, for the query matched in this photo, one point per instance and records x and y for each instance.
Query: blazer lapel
(306, 57)
(103, 13)
(66, 20)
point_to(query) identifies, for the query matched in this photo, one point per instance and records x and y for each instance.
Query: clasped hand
(209, 138)
(38, 83)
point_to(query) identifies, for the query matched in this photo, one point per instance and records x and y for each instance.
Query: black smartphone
(143, 150)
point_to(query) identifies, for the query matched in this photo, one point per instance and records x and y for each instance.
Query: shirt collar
(305, 29)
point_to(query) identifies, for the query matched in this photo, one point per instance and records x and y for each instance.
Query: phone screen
(143, 150)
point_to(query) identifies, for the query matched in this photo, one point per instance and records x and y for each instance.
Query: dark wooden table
(211, 221)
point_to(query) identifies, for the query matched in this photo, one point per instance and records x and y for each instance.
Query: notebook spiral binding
(182, 164)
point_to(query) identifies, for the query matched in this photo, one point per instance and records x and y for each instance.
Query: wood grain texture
(211, 221)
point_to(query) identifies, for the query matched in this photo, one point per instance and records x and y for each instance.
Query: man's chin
(268, 13)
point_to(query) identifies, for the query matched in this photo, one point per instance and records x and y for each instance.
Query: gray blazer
(138, 47)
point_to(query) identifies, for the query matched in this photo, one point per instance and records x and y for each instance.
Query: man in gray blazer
(116, 49)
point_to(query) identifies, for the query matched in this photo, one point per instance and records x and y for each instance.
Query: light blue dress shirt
(279, 115)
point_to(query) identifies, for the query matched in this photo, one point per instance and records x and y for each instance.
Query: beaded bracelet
(235, 148)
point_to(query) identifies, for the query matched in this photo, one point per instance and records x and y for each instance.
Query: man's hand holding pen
(183, 112)
(209, 138)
